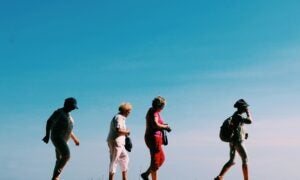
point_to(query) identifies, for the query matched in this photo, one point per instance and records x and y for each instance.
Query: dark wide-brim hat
(241, 103)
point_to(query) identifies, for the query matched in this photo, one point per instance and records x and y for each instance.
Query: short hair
(125, 106)
(158, 102)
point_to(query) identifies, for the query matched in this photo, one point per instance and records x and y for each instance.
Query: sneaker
(144, 176)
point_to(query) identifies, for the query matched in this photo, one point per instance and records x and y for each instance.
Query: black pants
(62, 155)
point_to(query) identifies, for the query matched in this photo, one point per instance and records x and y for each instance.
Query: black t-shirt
(62, 124)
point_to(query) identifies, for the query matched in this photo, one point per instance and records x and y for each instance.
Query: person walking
(153, 137)
(239, 136)
(116, 141)
(60, 128)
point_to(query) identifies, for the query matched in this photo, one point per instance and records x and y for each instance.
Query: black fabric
(164, 137)
(62, 125)
(226, 131)
(128, 144)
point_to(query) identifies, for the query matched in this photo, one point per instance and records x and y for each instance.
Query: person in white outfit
(116, 141)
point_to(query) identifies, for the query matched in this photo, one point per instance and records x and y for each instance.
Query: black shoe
(144, 176)
(217, 178)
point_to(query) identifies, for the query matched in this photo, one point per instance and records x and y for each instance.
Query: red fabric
(154, 144)
(151, 127)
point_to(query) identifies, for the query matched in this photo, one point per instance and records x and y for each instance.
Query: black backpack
(226, 130)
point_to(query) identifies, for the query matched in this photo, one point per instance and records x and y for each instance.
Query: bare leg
(230, 163)
(124, 175)
(245, 171)
(154, 175)
(225, 168)
(111, 176)
(241, 149)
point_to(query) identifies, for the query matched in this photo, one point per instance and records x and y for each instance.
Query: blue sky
(201, 55)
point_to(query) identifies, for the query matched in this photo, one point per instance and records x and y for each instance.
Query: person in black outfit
(60, 128)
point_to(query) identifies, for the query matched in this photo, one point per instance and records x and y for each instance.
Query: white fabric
(117, 122)
(118, 155)
(117, 151)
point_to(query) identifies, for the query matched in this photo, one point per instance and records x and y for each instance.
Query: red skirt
(154, 143)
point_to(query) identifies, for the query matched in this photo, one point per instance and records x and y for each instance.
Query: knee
(245, 161)
(230, 163)
(244, 158)
(66, 157)
(162, 160)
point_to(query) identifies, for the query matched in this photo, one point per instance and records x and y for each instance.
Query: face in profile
(126, 112)
(243, 109)
(70, 107)
(160, 108)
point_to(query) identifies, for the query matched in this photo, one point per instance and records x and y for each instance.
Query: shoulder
(57, 112)
(239, 118)
(156, 114)
(119, 117)
(236, 118)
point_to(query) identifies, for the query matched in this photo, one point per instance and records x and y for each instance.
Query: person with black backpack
(236, 142)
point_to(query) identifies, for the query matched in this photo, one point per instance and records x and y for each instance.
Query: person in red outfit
(153, 137)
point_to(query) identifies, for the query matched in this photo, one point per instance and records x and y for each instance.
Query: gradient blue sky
(201, 55)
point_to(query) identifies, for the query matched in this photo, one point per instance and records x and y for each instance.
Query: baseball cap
(71, 101)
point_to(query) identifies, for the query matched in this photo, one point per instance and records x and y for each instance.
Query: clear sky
(200, 55)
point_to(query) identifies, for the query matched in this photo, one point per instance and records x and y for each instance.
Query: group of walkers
(60, 124)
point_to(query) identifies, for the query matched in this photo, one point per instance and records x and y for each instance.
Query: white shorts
(118, 155)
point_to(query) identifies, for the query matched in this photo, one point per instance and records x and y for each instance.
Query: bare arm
(249, 117)
(123, 131)
(161, 126)
(75, 139)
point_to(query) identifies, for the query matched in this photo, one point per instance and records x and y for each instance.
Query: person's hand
(168, 128)
(247, 112)
(76, 141)
(128, 132)
(46, 139)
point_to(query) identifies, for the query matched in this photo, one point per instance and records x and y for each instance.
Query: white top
(117, 122)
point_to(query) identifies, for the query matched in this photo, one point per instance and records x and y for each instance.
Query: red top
(151, 127)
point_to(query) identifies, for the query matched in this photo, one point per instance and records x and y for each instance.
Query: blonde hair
(125, 106)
